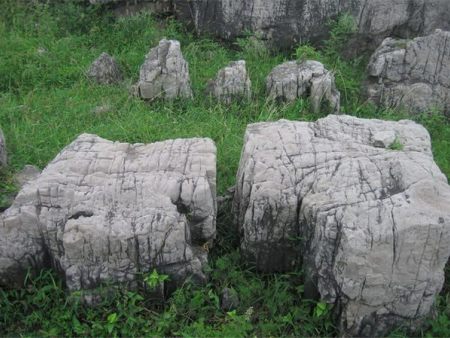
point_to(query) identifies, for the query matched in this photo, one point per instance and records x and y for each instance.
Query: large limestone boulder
(3, 154)
(292, 80)
(360, 202)
(105, 70)
(165, 73)
(289, 22)
(231, 83)
(106, 211)
(412, 74)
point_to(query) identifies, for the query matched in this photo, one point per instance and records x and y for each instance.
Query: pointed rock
(231, 83)
(165, 73)
(105, 70)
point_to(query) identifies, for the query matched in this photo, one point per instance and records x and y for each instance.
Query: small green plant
(396, 145)
(320, 310)
(155, 280)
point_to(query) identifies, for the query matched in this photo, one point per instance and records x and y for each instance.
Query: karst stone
(165, 73)
(3, 154)
(370, 224)
(293, 79)
(109, 212)
(231, 83)
(105, 70)
(412, 74)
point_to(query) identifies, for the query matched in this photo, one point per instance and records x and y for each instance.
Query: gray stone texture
(105, 70)
(412, 74)
(290, 22)
(371, 224)
(292, 80)
(105, 211)
(165, 73)
(27, 174)
(3, 153)
(231, 83)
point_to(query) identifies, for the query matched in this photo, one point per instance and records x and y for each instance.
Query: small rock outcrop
(105, 70)
(231, 83)
(105, 211)
(165, 73)
(3, 154)
(371, 224)
(292, 80)
(412, 74)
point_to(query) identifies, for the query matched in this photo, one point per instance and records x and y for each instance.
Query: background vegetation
(46, 101)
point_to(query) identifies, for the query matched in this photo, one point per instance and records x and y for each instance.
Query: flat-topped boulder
(231, 83)
(105, 211)
(360, 202)
(165, 73)
(412, 74)
(308, 79)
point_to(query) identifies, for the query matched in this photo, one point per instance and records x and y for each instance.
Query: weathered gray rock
(286, 23)
(289, 22)
(106, 211)
(412, 74)
(292, 80)
(27, 174)
(3, 154)
(165, 73)
(371, 224)
(229, 299)
(105, 70)
(231, 83)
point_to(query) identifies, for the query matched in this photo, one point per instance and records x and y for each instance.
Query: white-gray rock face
(292, 80)
(231, 83)
(165, 73)
(106, 211)
(105, 70)
(3, 154)
(371, 224)
(412, 74)
(290, 22)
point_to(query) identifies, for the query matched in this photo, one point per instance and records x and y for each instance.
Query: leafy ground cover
(46, 101)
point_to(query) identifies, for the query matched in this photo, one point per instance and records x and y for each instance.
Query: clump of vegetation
(46, 101)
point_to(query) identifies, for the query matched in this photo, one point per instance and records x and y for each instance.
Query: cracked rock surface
(289, 22)
(413, 74)
(371, 224)
(292, 80)
(165, 73)
(3, 155)
(105, 211)
(231, 83)
(105, 70)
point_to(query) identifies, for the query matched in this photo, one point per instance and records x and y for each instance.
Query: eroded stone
(372, 225)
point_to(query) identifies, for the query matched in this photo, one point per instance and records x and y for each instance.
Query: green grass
(46, 101)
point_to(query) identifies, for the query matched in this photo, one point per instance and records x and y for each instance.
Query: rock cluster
(413, 74)
(3, 154)
(165, 73)
(105, 70)
(105, 211)
(371, 224)
(292, 80)
(231, 83)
